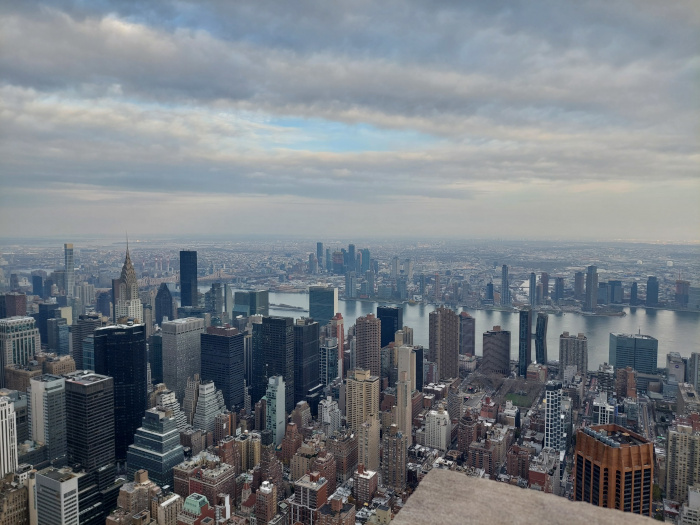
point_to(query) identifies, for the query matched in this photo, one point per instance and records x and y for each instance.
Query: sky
(509, 120)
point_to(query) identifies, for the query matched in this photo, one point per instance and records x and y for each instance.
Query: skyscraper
(8, 437)
(683, 465)
(275, 413)
(323, 304)
(125, 292)
(368, 344)
(120, 352)
(319, 255)
(210, 403)
(496, 352)
(635, 350)
(524, 341)
(368, 442)
(573, 350)
(541, 338)
(579, 280)
(391, 318)
(57, 497)
(467, 334)
(19, 342)
(222, 362)
(82, 328)
(633, 294)
(558, 290)
(70, 268)
(505, 287)
(552, 411)
(165, 304)
(394, 458)
(652, 291)
(443, 325)
(591, 301)
(328, 361)
(47, 414)
(544, 279)
(404, 407)
(362, 397)
(182, 353)
(533, 289)
(189, 295)
(89, 419)
(306, 357)
(273, 354)
(614, 468)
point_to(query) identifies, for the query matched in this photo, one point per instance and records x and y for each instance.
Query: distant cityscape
(143, 383)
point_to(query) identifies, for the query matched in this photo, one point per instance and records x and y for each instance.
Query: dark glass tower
(319, 254)
(323, 303)
(505, 287)
(306, 358)
(188, 278)
(633, 294)
(392, 321)
(541, 338)
(273, 354)
(120, 352)
(652, 291)
(164, 304)
(524, 341)
(222, 362)
(155, 358)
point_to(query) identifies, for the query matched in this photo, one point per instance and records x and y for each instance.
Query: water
(676, 331)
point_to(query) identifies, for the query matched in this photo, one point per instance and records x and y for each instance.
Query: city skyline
(506, 118)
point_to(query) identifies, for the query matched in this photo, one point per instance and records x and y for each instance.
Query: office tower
(436, 292)
(505, 287)
(166, 400)
(544, 279)
(573, 350)
(603, 293)
(8, 437)
(438, 429)
(57, 497)
(260, 302)
(682, 294)
(406, 362)
(444, 341)
(181, 352)
(614, 468)
(189, 295)
(329, 416)
(310, 494)
(591, 301)
(323, 303)
(496, 351)
(70, 268)
(165, 305)
(675, 368)
(524, 341)
(541, 338)
(273, 354)
(635, 350)
(626, 383)
(394, 458)
(365, 260)
(19, 342)
(47, 414)
(89, 419)
(328, 260)
(328, 361)
(210, 403)
(391, 318)
(13, 304)
(682, 460)
(558, 290)
(319, 254)
(615, 291)
(306, 357)
(189, 403)
(275, 414)
(120, 352)
(532, 293)
(350, 285)
(652, 291)
(337, 330)
(633, 294)
(579, 280)
(125, 292)
(404, 406)
(368, 344)
(58, 338)
(265, 502)
(467, 334)
(38, 285)
(222, 362)
(362, 397)
(155, 357)
(552, 411)
(693, 371)
(368, 442)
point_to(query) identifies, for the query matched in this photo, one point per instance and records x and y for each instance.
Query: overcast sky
(559, 119)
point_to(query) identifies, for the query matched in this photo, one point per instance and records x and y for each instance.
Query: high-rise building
(19, 342)
(222, 362)
(675, 368)
(8, 437)
(558, 290)
(496, 347)
(47, 414)
(323, 303)
(319, 254)
(532, 292)
(368, 344)
(552, 411)
(328, 361)
(652, 291)
(276, 415)
(444, 341)
(166, 400)
(82, 328)
(408, 364)
(182, 352)
(265, 502)
(438, 429)
(273, 354)
(189, 403)
(579, 282)
(362, 397)
(165, 304)
(682, 460)
(505, 287)
(89, 419)
(614, 468)
(693, 370)
(210, 403)
(365, 486)
(368, 442)
(329, 416)
(189, 295)
(57, 497)
(404, 406)
(394, 458)
(391, 318)
(337, 330)
(591, 301)
(524, 341)
(120, 352)
(541, 338)
(125, 293)
(58, 335)
(635, 350)
(467, 334)
(306, 357)
(573, 350)
(310, 494)
(70, 268)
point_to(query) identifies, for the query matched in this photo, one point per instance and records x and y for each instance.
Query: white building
(8, 437)
(690, 512)
(329, 414)
(438, 429)
(275, 414)
(210, 403)
(552, 415)
(19, 342)
(57, 497)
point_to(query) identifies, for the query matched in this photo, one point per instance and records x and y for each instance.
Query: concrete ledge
(453, 498)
